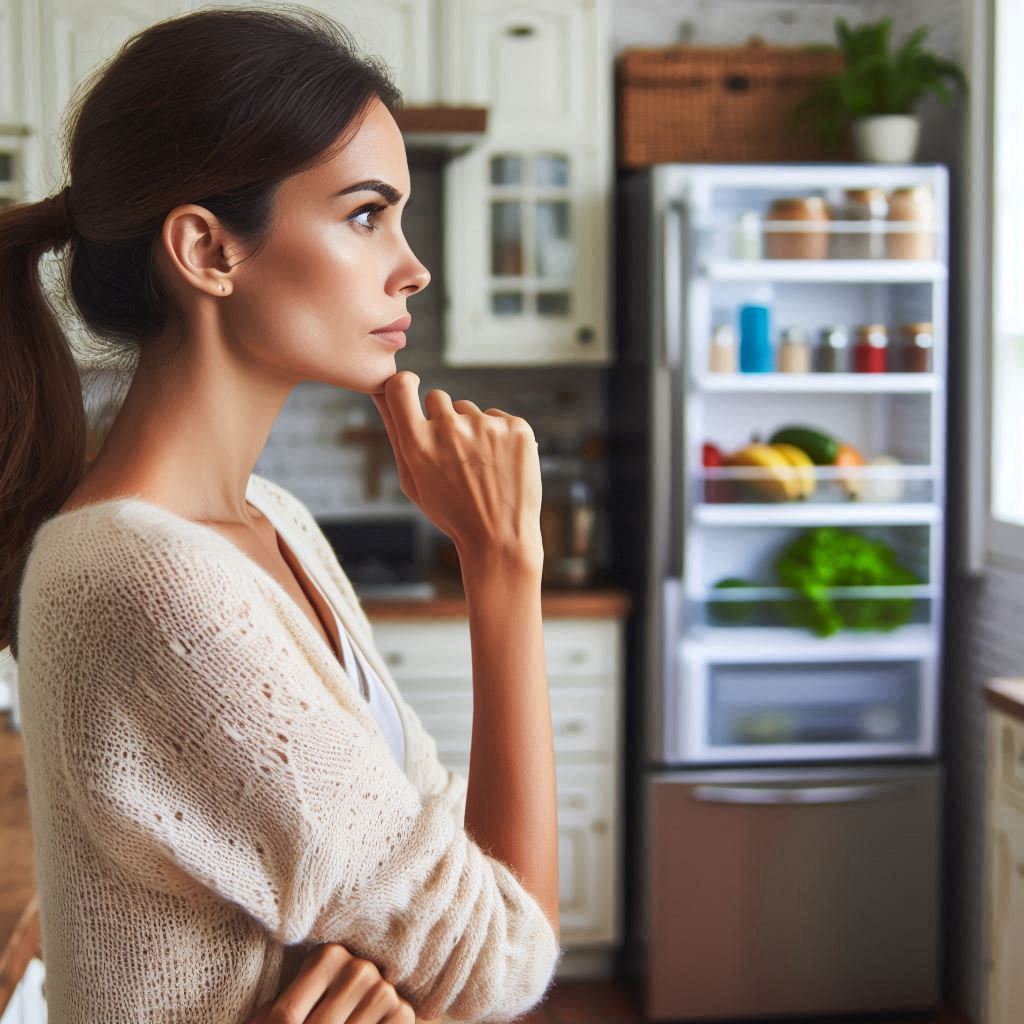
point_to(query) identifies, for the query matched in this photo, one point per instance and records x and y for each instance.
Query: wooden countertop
(1006, 695)
(450, 602)
(19, 918)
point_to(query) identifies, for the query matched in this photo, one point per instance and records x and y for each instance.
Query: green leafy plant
(826, 557)
(876, 80)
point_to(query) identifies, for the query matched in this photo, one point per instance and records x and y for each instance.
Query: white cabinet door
(526, 256)
(16, 64)
(527, 62)
(401, 32)
(588, 870)
(74, 38)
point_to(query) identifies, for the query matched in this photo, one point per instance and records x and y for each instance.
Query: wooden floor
(618, 1002)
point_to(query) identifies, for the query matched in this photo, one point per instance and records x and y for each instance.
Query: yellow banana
(772, 484)
(798, 458)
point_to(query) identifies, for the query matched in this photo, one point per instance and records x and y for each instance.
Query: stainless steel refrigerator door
(793, 891)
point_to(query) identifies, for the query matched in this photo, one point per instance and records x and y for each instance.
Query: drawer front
(581, 719)
(1009, 759)
(417, 649)
(588, 853)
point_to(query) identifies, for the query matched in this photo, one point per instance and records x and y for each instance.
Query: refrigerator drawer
(792, 891)
(815, 709)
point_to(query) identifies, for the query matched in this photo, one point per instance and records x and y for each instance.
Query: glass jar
(723, 350)
(917, 342)
(833, 352)
(569, 519)
(870, 350)
(911, 234)
(794, 352)
(797, 229)
(861, 204)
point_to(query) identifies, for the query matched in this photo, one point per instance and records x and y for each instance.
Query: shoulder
(129, 562)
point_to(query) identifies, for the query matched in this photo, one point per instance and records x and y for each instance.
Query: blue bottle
(756, 354)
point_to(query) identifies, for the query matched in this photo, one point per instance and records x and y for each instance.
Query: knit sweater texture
(211, 796)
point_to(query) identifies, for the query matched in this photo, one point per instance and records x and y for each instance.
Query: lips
(401, 324)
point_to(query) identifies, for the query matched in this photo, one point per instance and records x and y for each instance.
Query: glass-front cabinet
(525, 257)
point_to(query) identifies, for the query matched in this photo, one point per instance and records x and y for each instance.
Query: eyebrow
(390, 194)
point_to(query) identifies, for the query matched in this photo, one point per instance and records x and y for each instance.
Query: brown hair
(214, 107)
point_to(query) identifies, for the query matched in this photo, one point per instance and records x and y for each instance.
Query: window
(1006, 460)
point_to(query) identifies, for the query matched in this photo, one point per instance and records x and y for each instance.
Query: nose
(417, 277)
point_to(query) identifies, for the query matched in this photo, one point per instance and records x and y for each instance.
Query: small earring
(222, 287)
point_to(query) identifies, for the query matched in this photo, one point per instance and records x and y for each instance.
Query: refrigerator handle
(673, 262)
(796, 795)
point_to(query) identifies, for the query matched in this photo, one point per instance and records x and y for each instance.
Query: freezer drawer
(792, 891)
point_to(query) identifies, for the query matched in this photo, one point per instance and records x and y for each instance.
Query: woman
(222, 774)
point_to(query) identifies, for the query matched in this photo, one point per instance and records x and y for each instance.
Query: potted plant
(876, 92)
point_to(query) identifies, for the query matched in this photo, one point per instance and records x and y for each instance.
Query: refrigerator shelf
(867, 383)
(740, 644)
(827, 271)
(818, 514)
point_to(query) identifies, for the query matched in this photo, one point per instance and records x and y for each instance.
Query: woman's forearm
(511, 803)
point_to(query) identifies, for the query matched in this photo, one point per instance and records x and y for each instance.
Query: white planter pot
(887, 138)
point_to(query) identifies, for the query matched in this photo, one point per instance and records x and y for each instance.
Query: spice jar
(723, 350)
(911, 234)
(869, 352)
(861, 204)
(833, 352)
(797, 229)
(794, 353)
(917, 341)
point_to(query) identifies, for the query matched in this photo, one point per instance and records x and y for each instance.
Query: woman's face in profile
(335, 267)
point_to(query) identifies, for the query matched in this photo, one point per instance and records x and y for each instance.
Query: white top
(381, 704)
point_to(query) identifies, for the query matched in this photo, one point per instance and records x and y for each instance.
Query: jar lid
(864, 194)
(798, 204)
(793, 336)
(835, 337)
(874, 334)
(922, 327)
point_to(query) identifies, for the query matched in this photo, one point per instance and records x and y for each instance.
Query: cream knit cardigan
(208, 786)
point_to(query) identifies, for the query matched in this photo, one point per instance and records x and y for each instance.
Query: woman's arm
(511, 805)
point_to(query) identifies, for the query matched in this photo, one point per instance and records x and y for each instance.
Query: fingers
(401, 393)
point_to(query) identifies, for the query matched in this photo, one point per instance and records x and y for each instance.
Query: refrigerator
(784, 651)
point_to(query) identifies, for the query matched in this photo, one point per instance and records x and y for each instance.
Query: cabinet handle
(394, 658)
(600, 827)
(520, 31)
(571, 727)
(578, 657)
(585, 335)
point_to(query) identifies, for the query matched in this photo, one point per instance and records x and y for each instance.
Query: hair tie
(59, 206)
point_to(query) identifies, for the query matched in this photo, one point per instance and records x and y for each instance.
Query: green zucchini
(821, 448)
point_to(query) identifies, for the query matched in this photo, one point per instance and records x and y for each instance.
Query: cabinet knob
(394, 657)
(578, 657)
(585, 335)
(571, 727)
(600, 826)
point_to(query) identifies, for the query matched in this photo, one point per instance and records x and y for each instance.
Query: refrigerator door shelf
(792, 891)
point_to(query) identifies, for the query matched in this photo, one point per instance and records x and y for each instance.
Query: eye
(371, 210)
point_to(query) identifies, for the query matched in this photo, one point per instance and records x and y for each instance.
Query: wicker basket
(698, 104)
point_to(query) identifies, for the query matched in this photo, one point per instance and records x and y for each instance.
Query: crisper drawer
(582, 719)
(748, 711)
(417, 649)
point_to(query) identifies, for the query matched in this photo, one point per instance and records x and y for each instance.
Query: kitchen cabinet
(1004, 855)
(526, 243)
(533, 64)
(527, 213)
(431, 660)
(403, 33)
(16, 87)
(74, 39)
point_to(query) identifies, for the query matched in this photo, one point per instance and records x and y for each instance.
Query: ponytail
(42, 414)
